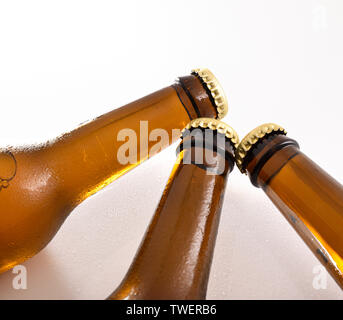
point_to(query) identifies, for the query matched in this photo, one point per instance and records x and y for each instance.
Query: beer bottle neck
(195, 97)
(268, 157)
(174, 259)
(310, 199)
(102, 150)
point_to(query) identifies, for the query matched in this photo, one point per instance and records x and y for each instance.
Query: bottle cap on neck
(251, 139)
(210, 134)
(215, 125)
(215, 90)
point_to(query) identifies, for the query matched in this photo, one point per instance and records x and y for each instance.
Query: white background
(64, 62)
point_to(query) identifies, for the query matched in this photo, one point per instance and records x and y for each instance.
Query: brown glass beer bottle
(174, 258)
(40, 186)
(310, 199)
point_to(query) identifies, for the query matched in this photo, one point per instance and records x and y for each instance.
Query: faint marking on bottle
(8, 168)
(322, 255)
(293, 219)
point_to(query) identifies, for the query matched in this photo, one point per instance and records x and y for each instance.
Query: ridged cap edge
(252, 138)
(216, 90)
(217, 125)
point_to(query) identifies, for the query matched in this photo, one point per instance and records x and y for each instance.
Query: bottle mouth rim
(216, 143)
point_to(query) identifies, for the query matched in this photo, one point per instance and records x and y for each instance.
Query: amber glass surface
(309, 198)
(40, 186)
(174, 259)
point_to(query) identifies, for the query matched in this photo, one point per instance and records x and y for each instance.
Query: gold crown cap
(252, 138)
(216, 90)
(217, 125)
